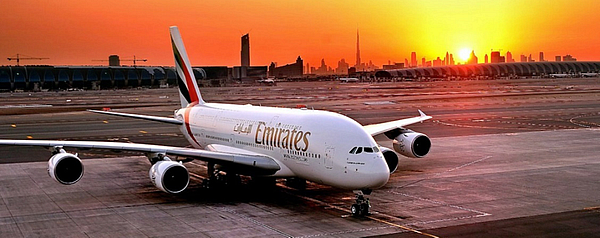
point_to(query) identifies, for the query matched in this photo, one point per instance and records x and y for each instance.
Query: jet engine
(65, 168)
(412, 144)
(391, 158)
(169, 176)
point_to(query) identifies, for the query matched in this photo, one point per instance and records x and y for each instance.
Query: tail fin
(188, 87)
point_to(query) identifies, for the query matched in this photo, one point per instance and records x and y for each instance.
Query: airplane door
(328, 159)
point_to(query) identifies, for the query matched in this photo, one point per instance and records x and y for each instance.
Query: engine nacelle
(65, 168)
(391, 158)
(169, 176)
(412, 144)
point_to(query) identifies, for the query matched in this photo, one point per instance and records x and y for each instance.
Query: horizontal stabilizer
(138, 116)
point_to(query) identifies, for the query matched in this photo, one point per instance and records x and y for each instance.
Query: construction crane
(134, 60)
(18, 58)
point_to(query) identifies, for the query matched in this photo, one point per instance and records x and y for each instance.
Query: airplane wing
(376, 129)
(138, 116)
(255, 161)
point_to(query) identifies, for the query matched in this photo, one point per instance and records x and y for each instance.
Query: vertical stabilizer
(188, 87)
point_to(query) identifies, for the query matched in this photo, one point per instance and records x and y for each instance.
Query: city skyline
(75, 33)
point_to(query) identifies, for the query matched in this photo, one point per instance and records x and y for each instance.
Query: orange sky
(75, 32)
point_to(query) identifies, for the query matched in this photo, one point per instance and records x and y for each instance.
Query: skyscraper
(541, 57)
(245, 50)
(357, 49)
(495, 57)
(509, 58)
(523, 58)
(413, 59)
(447, 58)
(472, 58)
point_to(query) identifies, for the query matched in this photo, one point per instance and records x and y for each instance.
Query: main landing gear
(217, 179)
(362, 205)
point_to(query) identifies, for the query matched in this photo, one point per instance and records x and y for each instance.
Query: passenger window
(358, 150)
(353, 150)
(368, 150)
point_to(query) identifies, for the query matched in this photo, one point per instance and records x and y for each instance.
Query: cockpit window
(358, 150)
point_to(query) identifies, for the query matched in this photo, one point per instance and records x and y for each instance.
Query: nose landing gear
(362, 205)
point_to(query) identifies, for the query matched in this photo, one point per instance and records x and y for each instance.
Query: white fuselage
(309, 144)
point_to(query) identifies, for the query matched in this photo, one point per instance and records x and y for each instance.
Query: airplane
(262, 142)
(589, 75)
(561, 75)
(348, 80)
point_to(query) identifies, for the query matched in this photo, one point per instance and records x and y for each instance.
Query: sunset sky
(75, 32)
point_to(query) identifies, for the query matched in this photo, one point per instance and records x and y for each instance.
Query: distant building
(249, 72)
(485, 57)
(557, 58)
(541, 59)
(241, 72)
(423, 64)
(394, 66)
(530, 59)
(437, 62)
(413, 59)
(523, 58)
(447, 59)
(342, 67)
(288, 70)
(36, 78)
(569, 58)
(323, 69)
(528, 69)
(472, 58)
(114, 60)
(496, 58)
(509, 57)
(245, 50)
(358, 63)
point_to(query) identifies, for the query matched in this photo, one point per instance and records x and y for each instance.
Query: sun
(464, 54)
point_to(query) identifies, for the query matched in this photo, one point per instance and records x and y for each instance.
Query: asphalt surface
(509, 158)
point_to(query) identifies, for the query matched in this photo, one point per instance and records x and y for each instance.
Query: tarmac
(510, 158)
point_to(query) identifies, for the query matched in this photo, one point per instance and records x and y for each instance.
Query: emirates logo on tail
(188, 87)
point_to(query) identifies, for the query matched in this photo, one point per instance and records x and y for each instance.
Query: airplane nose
(380, 173)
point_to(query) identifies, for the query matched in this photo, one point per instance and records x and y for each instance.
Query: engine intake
(169, 176)
(391, 158)
(65, 168)
(412, 144)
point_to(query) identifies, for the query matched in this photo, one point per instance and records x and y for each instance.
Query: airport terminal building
(100, 77)
(495, 70)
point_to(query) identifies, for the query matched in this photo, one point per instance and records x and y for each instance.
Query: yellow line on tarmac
(592, 208)
(369, 217)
